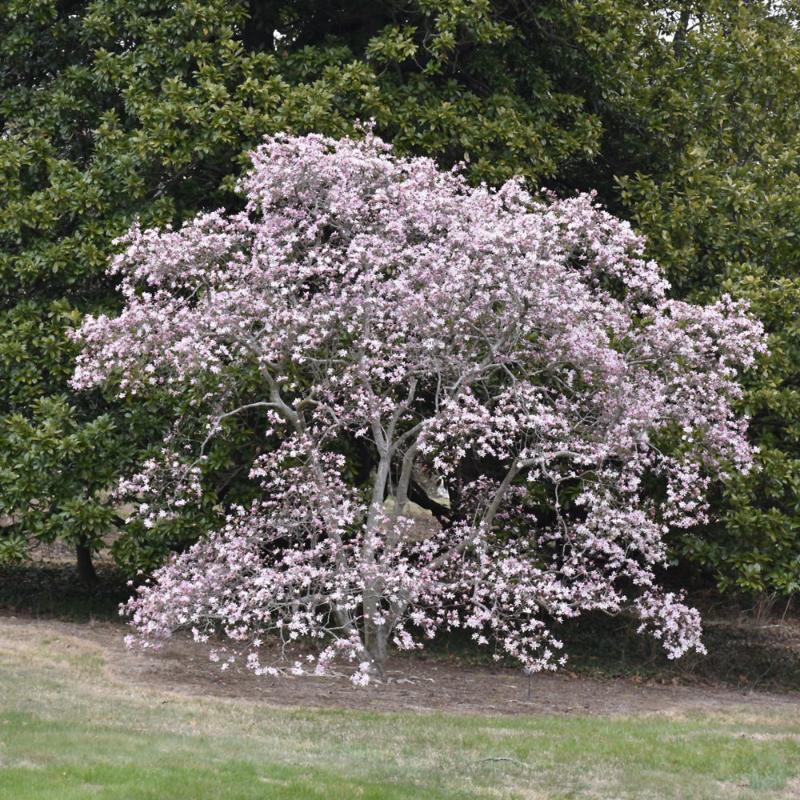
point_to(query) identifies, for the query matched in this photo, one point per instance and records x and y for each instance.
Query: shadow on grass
(53, 590)
(741, 652)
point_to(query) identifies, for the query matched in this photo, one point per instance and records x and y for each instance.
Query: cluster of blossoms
(525, 353)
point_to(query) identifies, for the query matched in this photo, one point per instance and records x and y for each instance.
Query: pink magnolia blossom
(380, 300)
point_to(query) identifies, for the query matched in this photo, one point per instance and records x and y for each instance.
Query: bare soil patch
(44, 609)
(413, 683)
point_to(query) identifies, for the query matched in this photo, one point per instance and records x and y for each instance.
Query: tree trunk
(86, 571)
(377, 649)
(375, 634)
(681, 32)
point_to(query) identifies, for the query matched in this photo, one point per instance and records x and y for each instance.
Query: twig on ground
(505, 758)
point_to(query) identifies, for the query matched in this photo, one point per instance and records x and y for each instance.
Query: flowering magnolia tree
(523, 354)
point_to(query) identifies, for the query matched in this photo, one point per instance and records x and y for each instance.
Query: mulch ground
(412, 683)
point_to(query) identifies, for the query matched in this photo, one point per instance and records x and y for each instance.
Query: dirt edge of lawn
(413, 683)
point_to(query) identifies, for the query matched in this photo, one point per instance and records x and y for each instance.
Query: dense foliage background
(682, 115)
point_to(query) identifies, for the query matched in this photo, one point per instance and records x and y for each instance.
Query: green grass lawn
(67, 732)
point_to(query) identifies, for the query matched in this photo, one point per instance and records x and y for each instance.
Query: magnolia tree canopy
(523, 353)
